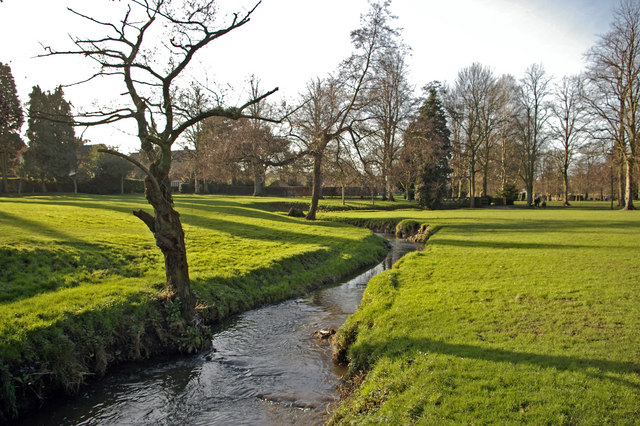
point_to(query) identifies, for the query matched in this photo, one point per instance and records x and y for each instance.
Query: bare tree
(614, 86)
(150, 67)
(389, 108)
(471, 106)
(341, 166)
(506, 134)
(535, 113)
(568, 126)
(331, 106)
(257, 146)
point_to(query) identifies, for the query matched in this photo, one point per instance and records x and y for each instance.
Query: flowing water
(265, 368)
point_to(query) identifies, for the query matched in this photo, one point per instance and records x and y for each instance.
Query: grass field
(80, 277)
(507, 316)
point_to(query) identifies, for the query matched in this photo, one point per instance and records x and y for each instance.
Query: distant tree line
(481, 135)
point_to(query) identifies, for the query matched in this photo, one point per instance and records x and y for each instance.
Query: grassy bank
(81, 279)
(507, 316)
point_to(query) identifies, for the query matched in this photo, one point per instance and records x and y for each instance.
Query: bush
(509, 194)
(407, 227)
(187, 188)
(105, 184)
(295, 212)
(134, 186)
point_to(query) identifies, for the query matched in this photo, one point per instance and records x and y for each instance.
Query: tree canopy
(11, 120)
(52, 143)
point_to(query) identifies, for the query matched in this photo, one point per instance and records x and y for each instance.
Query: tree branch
(146, 218)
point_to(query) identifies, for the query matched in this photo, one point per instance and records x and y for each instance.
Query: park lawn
(507, 316)
(81, 278)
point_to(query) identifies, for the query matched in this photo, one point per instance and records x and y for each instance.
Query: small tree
(113, 168)
(11, 120)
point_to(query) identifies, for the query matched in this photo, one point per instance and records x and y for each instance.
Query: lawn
(81, 279)
(507, 316)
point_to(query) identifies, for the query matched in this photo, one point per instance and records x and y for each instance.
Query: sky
(289, 42)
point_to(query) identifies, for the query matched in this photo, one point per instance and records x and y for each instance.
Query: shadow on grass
(35, 227)
(404, 346)
(540, 225)
(29, 272)
(509, 245)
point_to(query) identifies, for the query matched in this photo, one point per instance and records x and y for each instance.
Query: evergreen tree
(427, 142)
(11, 119)
(52, 144)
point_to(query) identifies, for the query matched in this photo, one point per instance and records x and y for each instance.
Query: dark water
(265, 368)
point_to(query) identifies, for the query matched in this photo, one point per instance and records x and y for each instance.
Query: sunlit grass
(80, 274)
(507, 316)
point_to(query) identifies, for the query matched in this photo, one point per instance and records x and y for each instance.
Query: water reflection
(265, 367)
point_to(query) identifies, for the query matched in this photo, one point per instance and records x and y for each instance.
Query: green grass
(81, 277)
(507, 316)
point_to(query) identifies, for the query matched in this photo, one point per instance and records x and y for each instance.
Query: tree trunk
(75, 184)
(485, 173)
(343, 201)
(316, 186)
(472, 187)
(44, 186)
(122, 185)
(565, 187)
(389, 189)
(167, 229)
(196, 185)
(5, 180)
(257, 183)
(621, 180)
(629, 163)
(20, 186)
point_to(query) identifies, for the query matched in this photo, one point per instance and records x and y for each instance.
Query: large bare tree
(568, 126)
(533, 123)
(471, 108)
(151, 46)
(614, 87)
(331, 106)
(506, 134)
(390, 105)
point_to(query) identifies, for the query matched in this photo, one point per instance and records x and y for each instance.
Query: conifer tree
(11, 119)
(427, 139)
(52, 144)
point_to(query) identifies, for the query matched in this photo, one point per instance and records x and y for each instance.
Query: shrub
(509, 194)
(407, 227)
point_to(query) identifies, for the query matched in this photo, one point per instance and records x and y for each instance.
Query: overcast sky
(289, 42)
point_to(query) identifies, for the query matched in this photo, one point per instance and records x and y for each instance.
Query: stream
(265, 368)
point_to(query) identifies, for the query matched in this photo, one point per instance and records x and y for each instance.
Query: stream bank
(265, 367)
